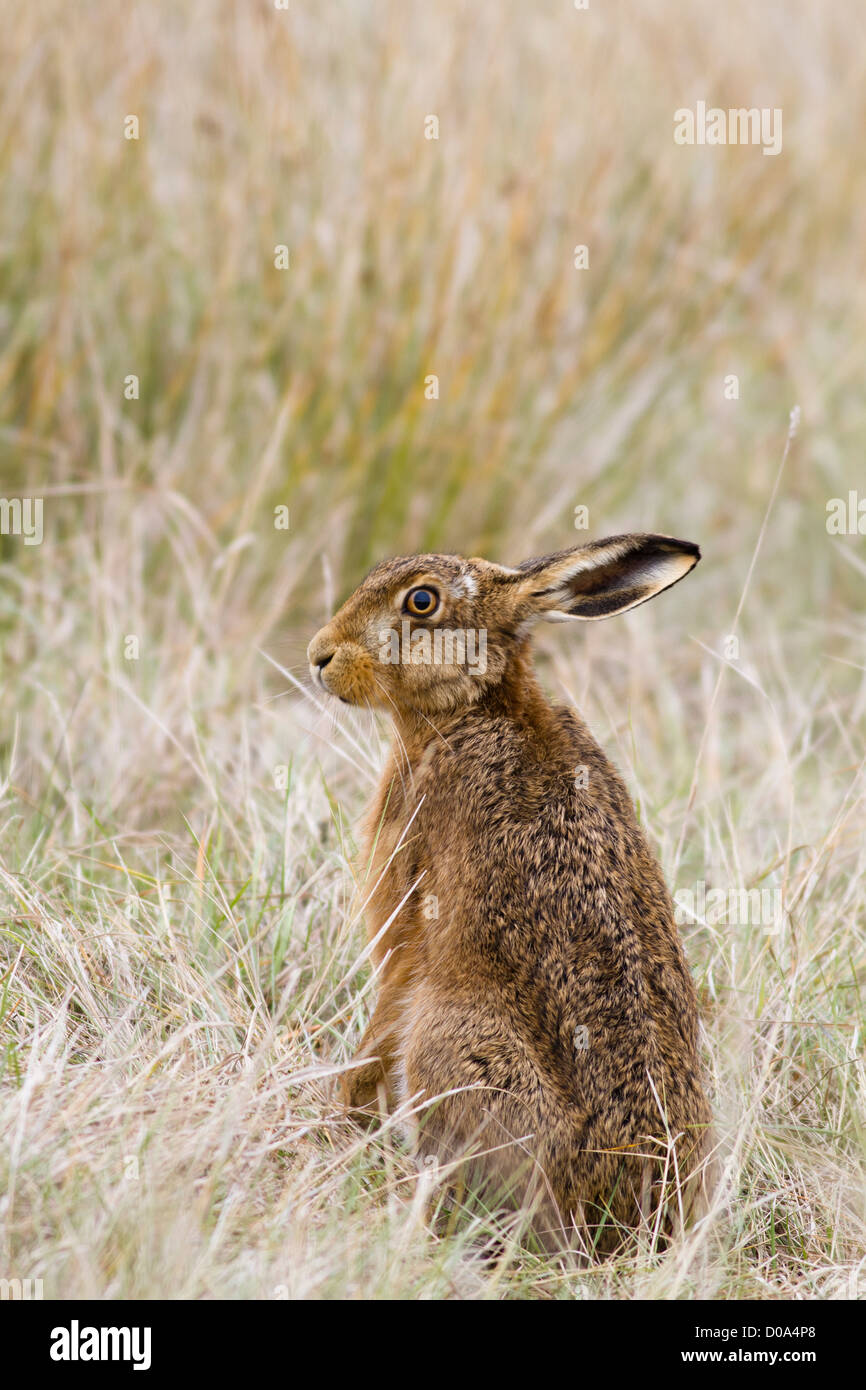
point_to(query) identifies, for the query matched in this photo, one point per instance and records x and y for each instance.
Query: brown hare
(533, 986)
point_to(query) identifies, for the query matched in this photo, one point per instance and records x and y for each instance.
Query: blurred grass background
(168, 907)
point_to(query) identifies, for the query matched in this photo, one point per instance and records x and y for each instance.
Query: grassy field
(181, 967)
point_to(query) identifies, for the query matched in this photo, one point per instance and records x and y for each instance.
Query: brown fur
(552, 912)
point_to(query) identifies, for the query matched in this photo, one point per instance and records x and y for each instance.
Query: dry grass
(181, 957)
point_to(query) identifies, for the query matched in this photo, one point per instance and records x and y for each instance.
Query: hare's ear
(605, 577)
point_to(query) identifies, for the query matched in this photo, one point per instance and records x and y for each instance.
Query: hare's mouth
(344, 670)
(318, 679)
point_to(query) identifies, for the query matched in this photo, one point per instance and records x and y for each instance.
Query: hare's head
(431, 633)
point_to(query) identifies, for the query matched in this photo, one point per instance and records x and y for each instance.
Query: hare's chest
(415, 852)
(393, 871)
(388, 855)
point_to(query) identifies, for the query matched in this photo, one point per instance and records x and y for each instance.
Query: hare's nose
(321, 650)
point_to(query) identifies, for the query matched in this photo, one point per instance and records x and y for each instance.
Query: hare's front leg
(360, 1088)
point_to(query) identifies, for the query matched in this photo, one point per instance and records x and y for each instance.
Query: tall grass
(180, 940)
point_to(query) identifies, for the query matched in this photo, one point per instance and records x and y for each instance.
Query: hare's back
(553, 909)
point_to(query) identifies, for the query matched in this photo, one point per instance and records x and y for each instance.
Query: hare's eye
(421, 602)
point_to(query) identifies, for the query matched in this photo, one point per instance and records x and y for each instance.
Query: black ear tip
(688, 548)
(672, 545)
